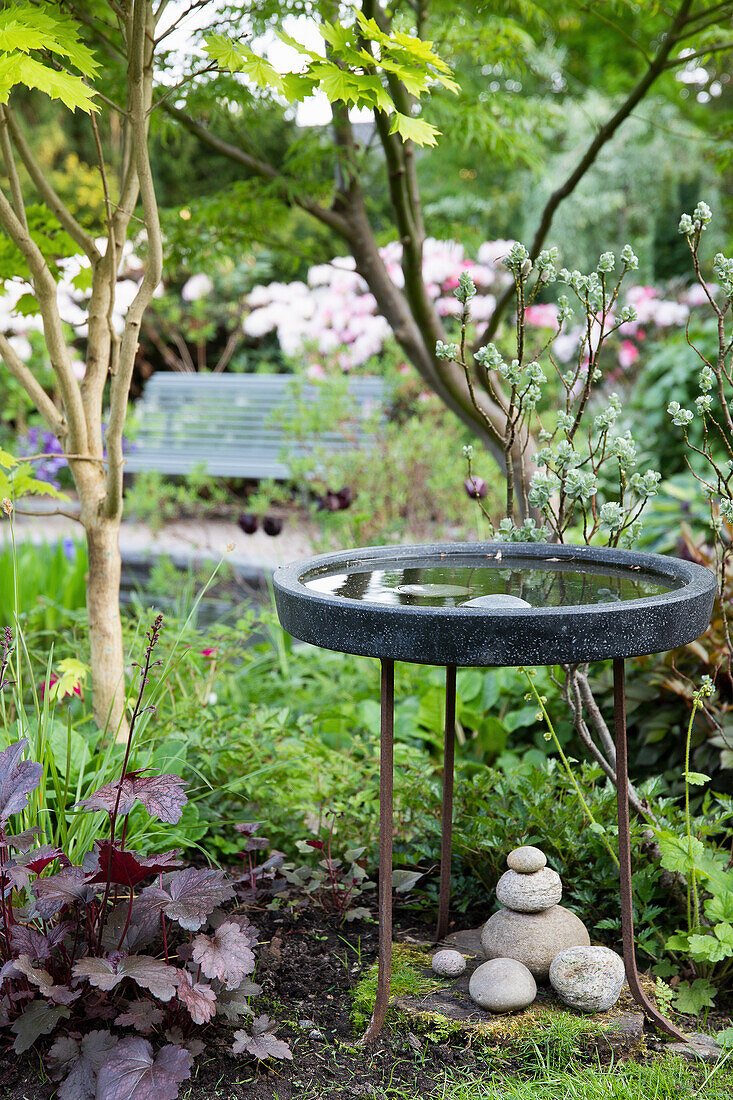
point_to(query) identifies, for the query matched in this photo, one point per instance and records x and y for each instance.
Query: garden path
(186, 542)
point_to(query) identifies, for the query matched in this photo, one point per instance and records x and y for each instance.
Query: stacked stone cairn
(534, 938)
(532, 927)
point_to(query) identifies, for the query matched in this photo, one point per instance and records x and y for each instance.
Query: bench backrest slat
(228, 423)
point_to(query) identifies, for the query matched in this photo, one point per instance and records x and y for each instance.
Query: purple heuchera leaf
(144, 1016)
(161, 795)
(37, 975)
(40, 1018)
(190, 895)
(131, 1073)
(34, 861)
(199, 998)
(18, 778)
(22, 841)
(127, 868)
(262, 1042)
(53, 893)
(226, 955)
(79, 1063)
(152, 974)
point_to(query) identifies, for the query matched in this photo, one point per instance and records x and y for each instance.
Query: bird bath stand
(489, 605)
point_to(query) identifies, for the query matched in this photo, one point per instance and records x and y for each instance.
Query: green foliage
(53, 241)
(156, 499)
(17, 480)
(51, 582)
(356, 72)
(670, 370)
(26, 31)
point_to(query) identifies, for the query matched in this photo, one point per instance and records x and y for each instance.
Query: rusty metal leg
(624, 856)
(381, 1001)
(446, 838)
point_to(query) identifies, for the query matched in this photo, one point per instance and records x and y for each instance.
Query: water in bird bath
(532, 582)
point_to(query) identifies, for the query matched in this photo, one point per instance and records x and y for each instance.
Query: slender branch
(11, 169)
(677, 61)
(141, 85)
(45, 288)
(602, 137)
(47, 193)
(32, 387)
(258, 167)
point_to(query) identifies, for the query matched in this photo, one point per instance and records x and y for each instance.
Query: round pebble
(526, 860)
(529, 893)
(448, 963)
(588, 978)
(497, 602)
(533, 938)
(502, 985)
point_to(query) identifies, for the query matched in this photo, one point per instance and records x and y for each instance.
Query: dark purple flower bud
(272, 525)
(476, 487)
(332, 502)
(345, 496)
(248, 522)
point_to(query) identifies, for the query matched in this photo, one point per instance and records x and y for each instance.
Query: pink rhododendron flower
(628, 354)
(315, 371)
(543, 315)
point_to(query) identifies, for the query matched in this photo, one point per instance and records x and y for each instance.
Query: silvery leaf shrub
(562, 454)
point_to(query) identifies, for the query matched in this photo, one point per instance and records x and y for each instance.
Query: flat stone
(526, 860)
(699, 1048)
(529, 893)
(533, 938)
(466, 940)
(589, 979)
(448, 964)
(502, 985)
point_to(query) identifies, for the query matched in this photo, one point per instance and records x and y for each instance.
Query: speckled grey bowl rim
(510, 636)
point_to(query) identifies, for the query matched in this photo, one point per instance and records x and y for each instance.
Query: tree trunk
(105, 626)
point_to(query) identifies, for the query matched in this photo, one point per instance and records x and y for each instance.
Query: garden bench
(230, 424)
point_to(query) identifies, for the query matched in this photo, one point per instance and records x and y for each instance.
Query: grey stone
(699, 1047)
(502, 985)
(588, 978)
(496, 602)
(526, 860)
(533, 938)
(529, 893)
(448, 964)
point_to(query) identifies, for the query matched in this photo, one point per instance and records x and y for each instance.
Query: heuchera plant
(125, 959)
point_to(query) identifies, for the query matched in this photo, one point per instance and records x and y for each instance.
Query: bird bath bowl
(493, 604)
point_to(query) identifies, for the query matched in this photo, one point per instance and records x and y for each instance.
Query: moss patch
(410, 978)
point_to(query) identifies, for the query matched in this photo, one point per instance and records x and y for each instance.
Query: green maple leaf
(297, 87)
(414, 129)
(337, 84)
(24, 27)
(223, 51)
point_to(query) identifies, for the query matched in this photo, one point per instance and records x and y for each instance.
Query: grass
(664, 1079)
